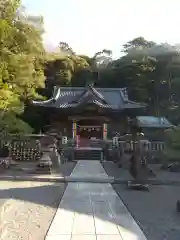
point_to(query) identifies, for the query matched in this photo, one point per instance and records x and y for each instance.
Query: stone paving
(90, 211)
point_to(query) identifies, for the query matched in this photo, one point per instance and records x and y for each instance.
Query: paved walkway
(90, 211)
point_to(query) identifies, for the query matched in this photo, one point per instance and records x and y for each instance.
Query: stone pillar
(104, 131)
(74, 129)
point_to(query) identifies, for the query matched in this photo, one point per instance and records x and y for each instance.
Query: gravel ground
(27, 208)
(113, 170)
(65, 170)
(123, 174)
(155, 211)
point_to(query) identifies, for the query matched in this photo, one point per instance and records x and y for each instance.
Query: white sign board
(64, 140)
(115, 141)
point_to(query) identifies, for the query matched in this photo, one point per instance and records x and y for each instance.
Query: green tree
(65, 48)
(21, 59)
(149, 70)
(138, 43)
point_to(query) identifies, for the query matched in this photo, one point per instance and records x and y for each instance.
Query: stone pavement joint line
(92, 211)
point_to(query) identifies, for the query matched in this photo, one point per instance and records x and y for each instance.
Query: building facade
(90, 112)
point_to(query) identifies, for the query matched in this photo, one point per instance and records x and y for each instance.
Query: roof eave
(53, 99)
(155, 126)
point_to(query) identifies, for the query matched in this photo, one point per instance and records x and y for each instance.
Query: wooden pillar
(74, 129)
(105, 131)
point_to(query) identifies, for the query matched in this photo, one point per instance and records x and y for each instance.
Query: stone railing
(155, 146)
(152, 150)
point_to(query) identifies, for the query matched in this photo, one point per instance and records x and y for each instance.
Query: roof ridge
(90, 90)
(96, 93)
(124, 94)
(98, 88)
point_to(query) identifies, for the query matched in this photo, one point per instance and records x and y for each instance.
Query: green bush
(10, 123)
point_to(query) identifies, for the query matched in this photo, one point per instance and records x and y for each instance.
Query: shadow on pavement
(103, 206)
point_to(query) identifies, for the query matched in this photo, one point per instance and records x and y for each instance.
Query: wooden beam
(103, 118)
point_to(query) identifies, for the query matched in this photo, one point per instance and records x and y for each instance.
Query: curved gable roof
(71, 97)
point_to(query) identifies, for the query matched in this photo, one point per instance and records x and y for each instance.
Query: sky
(89, 26)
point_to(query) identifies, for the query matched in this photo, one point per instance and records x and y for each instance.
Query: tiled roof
(72, 97)
(74, 105)
(110, 96)
(151, 121)
(105, 105)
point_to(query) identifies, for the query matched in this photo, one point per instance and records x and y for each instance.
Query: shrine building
(90, 112)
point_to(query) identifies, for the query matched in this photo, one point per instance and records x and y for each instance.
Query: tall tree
(138, 43)
(100, 61)
(21, 59)
(65, 48)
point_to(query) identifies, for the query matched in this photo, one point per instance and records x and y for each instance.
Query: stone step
(87, 154)
(43, 170)
(90, 179)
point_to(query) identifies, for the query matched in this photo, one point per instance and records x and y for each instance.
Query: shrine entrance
(90, 129)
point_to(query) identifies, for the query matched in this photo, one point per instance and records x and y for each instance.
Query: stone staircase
(88, 154)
